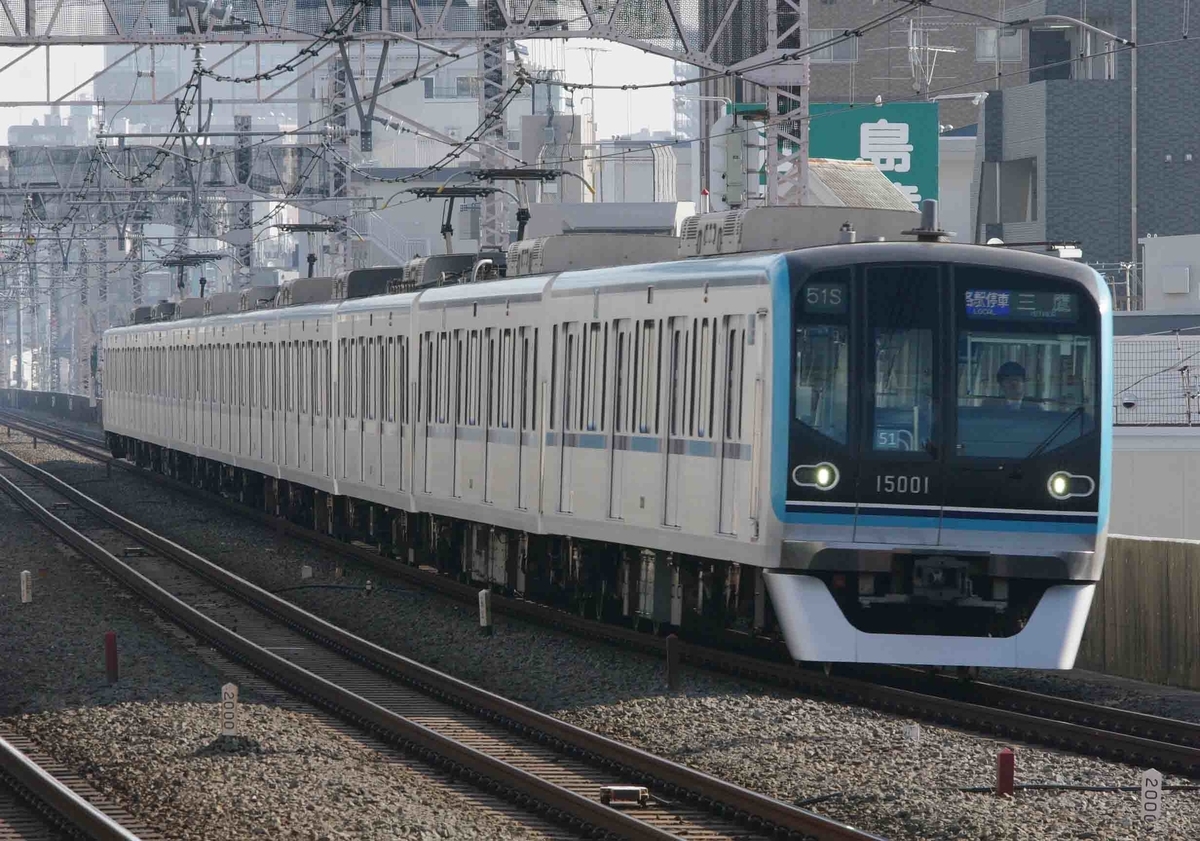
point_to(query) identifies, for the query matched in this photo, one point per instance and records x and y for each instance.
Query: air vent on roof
(573, 252)
(164, 311)
(257, 298)
(360, 283)
(438, 270)
(222, 303)
(141, 315)
(190, 308)
(305, 290)
(787, 227)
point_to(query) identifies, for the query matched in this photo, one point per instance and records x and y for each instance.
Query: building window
(842, 51)
(466, 86)
(428, 82)
(985, 45)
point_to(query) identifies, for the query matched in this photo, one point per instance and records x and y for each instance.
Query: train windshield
(822, 349)
(822, 379)
(1018, 352)
(1023, 394)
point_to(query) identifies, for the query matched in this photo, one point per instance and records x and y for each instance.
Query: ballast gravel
(855, 763)
(285, 776)
(149, 741)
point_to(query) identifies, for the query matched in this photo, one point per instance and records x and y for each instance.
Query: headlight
(823, 476)
(1064, 485)
(1060, 483)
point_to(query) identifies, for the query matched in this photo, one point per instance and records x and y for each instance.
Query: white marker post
(229, 710)
(305, 572)
(26, 587)
(485, 612)
(912, 733)
(1152, 799)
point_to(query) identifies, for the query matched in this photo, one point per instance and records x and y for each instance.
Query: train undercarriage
(649, 590)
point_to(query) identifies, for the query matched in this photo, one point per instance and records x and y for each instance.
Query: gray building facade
(923, 54)
(1054, 156)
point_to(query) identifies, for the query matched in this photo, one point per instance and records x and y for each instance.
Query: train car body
(672, 442)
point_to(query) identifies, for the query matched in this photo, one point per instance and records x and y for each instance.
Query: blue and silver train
(889, 452)
(942, 486)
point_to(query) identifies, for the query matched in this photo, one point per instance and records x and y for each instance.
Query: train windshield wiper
(1040, 448)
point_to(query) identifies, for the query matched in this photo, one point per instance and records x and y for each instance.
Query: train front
(940, 458)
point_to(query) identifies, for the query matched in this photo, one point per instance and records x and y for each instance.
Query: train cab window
(903, 313)
(822, 355)
(1027, 378)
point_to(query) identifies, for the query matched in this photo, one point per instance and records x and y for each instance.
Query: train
(883, 452)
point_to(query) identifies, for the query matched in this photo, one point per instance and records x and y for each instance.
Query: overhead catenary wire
(307, 53)
(409, 77)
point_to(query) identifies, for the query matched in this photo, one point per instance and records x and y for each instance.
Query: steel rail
(759, 812)
(1122, 735)
(36, 785)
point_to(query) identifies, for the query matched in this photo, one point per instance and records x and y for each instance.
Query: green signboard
(900, 137)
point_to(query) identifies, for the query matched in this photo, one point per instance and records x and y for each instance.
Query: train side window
(678, 407)
(459, 372)
(528, 383)
(402, 379)
(571, 375)
(647, 354)
(475, 379)
(735, 356)
(431, 381)
(620, 376)
(493, 372)
(389, 381)
(708, 373)
(369, 380)
(378, 381)
(318, 393)
(353, 372)
(444, 378)
(508, 387)
(362, 382)
(592, 414)
(553, 375)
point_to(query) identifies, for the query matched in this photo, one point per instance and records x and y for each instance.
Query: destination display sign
(1022, 306)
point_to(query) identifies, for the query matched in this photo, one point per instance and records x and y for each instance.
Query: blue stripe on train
(956, 520)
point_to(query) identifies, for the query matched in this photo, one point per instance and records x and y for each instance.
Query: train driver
(1011, 377)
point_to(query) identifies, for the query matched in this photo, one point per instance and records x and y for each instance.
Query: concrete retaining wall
(71, 406)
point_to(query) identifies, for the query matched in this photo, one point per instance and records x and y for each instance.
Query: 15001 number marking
(902, 484)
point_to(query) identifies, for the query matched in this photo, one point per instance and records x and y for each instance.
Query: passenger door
(900, 486)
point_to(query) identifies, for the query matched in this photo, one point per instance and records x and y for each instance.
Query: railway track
(548, 766)
(41, 801)
(1077, 726)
